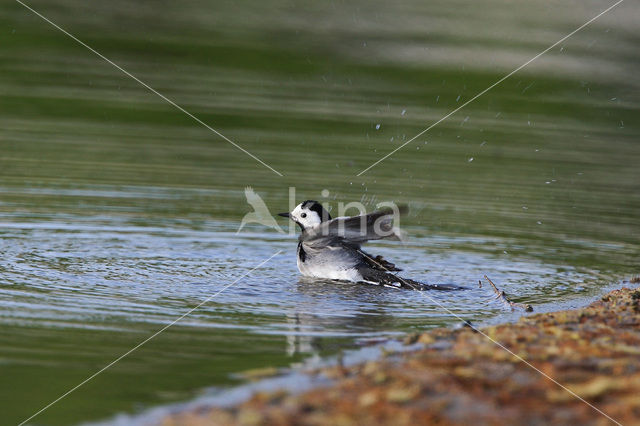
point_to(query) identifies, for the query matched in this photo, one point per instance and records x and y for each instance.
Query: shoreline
(459, 376)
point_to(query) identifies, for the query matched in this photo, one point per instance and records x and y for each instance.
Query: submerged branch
(503, 297)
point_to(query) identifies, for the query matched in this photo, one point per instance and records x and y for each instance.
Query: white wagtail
(330, 248)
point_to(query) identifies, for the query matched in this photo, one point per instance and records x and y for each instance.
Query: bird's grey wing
(354, 230)
(332, 251)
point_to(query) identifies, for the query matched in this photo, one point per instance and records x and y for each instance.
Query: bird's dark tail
(390, 280)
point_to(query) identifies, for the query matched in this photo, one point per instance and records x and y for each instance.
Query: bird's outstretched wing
(353, 230)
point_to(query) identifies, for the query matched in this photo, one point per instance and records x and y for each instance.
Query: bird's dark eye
(303, 215)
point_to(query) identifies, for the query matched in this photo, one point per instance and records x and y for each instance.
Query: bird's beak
(285, 215)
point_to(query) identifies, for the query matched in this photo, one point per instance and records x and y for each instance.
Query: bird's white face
(306, 217)
(308, 214)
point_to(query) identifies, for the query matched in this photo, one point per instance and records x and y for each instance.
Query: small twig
(503, 297)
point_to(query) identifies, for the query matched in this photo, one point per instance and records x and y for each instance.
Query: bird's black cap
(317, 207)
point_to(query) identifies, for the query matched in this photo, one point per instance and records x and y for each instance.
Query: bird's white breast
(328, 272)
(329, 265)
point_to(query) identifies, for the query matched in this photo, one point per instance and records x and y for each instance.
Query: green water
(118, 212)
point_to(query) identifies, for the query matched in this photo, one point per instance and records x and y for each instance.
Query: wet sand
(462, 377)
